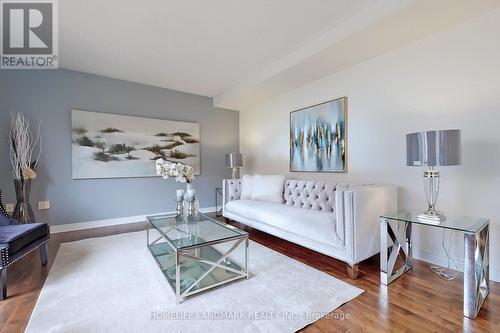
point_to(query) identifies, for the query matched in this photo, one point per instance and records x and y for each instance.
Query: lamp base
(236, 173)
(431, 217)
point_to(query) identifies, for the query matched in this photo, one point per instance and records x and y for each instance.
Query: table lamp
(433, 149)
(235, 162)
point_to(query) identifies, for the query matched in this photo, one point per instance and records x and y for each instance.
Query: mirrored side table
(395, 236)
(218, 195)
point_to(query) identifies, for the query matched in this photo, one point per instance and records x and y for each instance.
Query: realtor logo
(29, 34)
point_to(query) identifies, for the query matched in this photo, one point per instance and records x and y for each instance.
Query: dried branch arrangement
(23, 147)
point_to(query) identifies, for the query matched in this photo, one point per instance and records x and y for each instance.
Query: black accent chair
(16, 241)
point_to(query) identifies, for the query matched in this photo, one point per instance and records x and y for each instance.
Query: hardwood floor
(417, 302)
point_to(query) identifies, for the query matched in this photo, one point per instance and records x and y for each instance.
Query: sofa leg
(43, 254)
(352, 271)
(3, 284)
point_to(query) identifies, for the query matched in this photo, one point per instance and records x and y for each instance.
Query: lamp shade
(234, 160)
(433, 148)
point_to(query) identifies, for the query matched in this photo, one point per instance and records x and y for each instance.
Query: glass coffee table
(197, 254)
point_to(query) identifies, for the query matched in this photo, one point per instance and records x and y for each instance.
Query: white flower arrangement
(182, 173)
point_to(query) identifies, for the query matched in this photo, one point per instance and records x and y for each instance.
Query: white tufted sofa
(339, 220)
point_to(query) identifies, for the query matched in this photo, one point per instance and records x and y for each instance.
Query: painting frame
(152, 170)
(344, 100)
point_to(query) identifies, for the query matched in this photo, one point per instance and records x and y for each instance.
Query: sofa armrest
(360, 209)
(231, 190)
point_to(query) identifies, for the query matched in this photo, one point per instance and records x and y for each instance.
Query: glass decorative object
(191, 205)
(179, 209)
(23, 213)
(431, 187)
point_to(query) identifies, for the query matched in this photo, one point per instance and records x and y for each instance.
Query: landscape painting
(114, 146)
(318, 137)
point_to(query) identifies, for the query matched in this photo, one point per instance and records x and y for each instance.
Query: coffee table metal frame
(185, 252)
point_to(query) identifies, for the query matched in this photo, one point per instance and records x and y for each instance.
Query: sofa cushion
(315, 195)
(315, 225)
(268, 188)
(246, 187)
(17, 236)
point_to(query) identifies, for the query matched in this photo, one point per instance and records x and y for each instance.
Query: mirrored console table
(218, 195)
(395, 236)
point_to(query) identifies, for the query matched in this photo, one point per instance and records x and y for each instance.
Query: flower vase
(23, 213)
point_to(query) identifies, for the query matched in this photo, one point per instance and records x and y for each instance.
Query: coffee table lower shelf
(194, 270)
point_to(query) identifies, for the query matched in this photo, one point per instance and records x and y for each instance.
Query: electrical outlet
(43, 205)
(9, 207)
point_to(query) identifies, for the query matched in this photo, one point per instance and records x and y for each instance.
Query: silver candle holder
(179, 209)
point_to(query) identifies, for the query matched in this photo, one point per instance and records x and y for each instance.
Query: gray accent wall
(49, 95)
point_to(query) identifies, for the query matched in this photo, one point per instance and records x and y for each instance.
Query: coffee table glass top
(182, 233)
(460, 223)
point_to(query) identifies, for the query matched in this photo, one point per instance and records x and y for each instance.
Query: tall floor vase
(23, 213)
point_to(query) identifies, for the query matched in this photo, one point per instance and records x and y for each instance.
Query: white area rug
(113, 284)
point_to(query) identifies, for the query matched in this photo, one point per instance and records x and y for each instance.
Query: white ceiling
(242, 52)
(198, 46)
(380, 28)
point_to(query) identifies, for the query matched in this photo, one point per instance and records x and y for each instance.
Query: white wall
(449, 80)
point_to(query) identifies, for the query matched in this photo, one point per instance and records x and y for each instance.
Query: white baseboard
(443, 261)
(108, 222)
(417, 254)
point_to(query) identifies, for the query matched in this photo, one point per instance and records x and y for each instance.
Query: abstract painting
(318, 137)
(114, 146)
